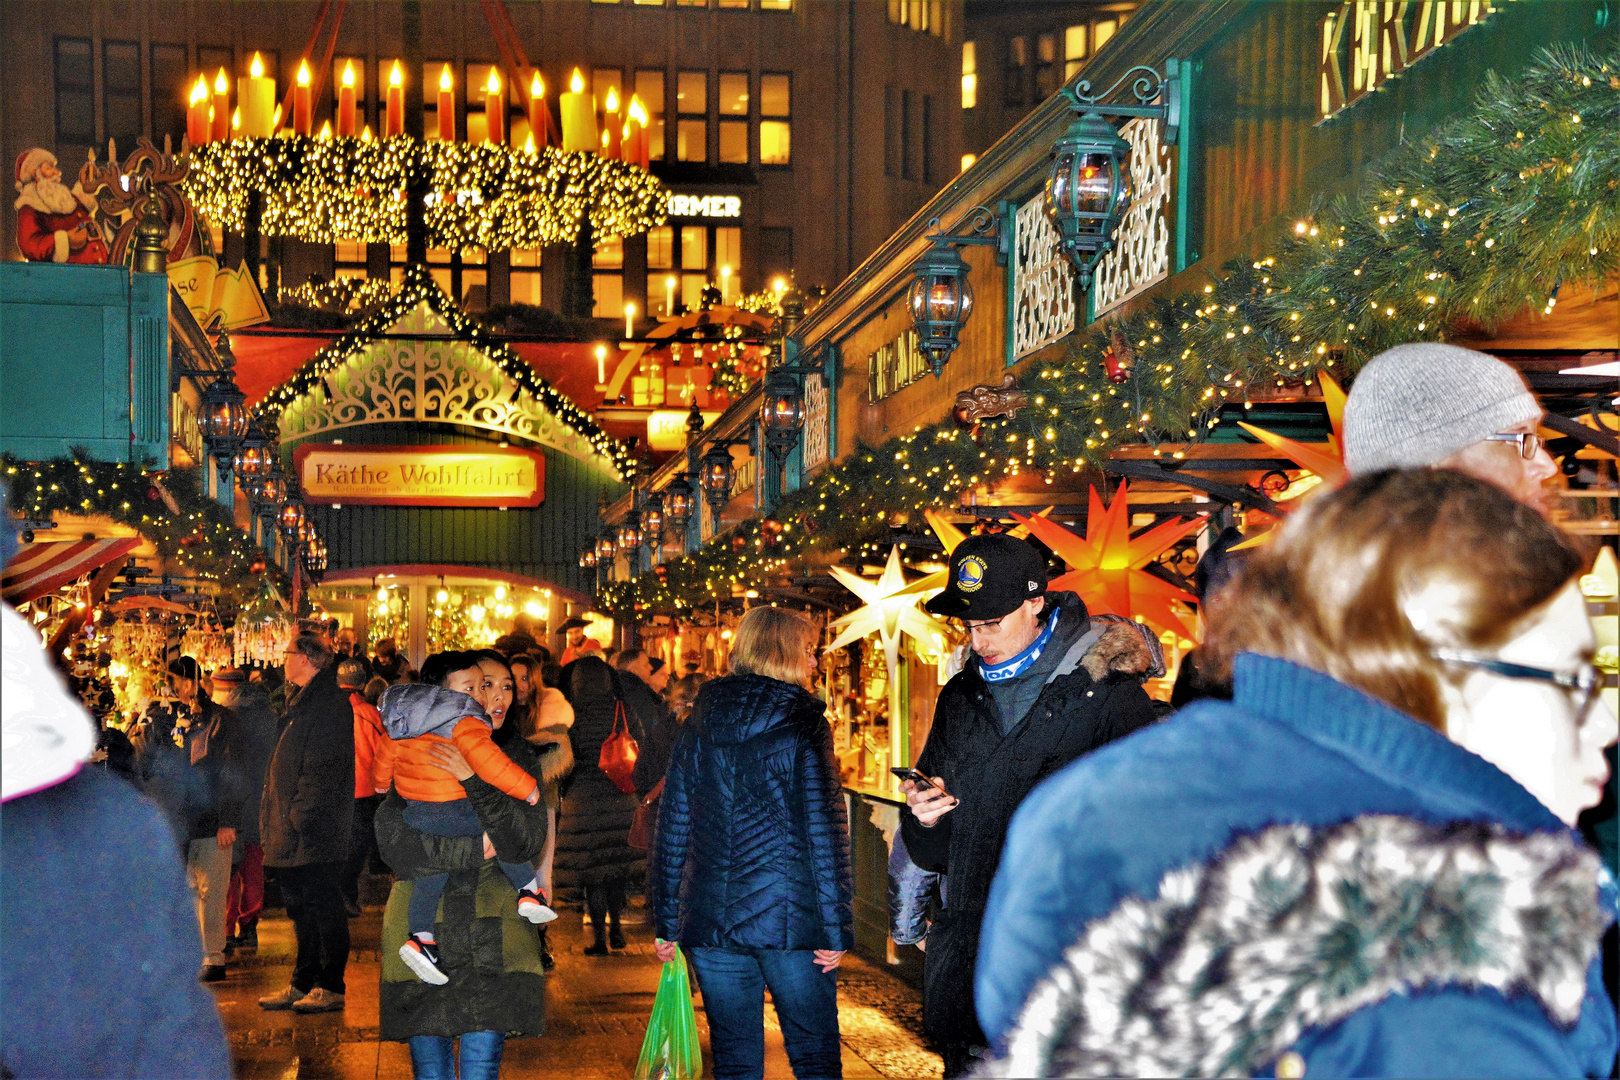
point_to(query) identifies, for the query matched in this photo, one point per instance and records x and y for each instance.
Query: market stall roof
(45, 567)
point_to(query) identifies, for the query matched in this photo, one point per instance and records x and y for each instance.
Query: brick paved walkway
(596, 1012)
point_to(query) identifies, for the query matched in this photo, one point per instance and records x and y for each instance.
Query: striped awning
(42, 568)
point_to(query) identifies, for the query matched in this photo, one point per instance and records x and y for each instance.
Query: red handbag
(619, 750)
(641, 826)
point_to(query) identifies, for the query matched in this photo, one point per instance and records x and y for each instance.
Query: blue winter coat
(752, 847)
(1281, 828)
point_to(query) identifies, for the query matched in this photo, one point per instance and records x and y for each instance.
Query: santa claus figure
(53, 220)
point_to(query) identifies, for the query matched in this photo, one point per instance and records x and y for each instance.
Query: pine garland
(202, 538)
(1488, 215)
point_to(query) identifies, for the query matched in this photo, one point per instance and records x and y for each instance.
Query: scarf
(1011, 669)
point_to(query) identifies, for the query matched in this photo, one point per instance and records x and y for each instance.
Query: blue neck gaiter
(1011, 669)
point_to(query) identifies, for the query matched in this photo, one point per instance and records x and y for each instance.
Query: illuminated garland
(202, 538)
(340, 294)
(483, 196)
(1489, 214)
(418, 287)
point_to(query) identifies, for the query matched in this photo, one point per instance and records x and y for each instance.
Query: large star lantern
(1106, 566)
(1327, 464)
(890, 610)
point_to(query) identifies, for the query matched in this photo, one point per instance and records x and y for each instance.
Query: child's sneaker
(532, 906)
(422, 957)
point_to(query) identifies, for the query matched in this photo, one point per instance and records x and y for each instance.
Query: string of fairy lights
(201, 538)
(1464, 227)
(418, 287)
(481, 195)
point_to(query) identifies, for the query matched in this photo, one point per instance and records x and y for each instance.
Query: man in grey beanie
(1428, 405)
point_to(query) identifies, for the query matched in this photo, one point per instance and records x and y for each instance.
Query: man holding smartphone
(1044, 686)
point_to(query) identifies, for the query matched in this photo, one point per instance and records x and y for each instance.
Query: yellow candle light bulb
(612, 100)
(494, 84)
(444, 77)
(604, 140)
(382, 596)
(365, 133)
(221, 84)
(637, 112)
(528, 144)
(256, 67)
(326, 130)
(577, 82)
(537, 86)
(236, 119)
(348, 73)
(303, 73)
(395, 76)
(441, 596)
(199, 92)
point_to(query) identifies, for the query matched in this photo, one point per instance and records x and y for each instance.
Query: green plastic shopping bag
(671, 1051)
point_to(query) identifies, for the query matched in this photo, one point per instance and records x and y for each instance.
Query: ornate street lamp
(255, 457)
(717, 473)
(291, 518)
(678, 503)
(629, 534)
(1088, 185)
(941, 299)
(652, 520)
(781, 412)
(222, 417)
(587, 558)
(604, 548)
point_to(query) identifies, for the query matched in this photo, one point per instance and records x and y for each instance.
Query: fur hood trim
(1120, 649)
(1294, 928)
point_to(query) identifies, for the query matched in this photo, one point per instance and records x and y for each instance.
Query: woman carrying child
(489, 992)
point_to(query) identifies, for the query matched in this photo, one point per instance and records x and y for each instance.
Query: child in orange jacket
(418, 716)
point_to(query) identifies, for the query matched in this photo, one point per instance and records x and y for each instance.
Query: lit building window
(970, 76)
(526, 276)
(608, 288)
(775, 125)
(1101, 32)
(734, 117)
(650, 89)
(1074, 50)
(692, 106)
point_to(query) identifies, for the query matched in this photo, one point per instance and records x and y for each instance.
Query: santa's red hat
(29, 161)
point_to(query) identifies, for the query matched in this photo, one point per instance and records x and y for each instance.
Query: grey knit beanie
(1415, 405)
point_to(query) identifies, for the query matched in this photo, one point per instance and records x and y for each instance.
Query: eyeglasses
(985, 624)
(1529, 442)
(1584, 683)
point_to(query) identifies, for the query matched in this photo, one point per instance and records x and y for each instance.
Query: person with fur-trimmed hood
(1361, 865)
(1044, 686)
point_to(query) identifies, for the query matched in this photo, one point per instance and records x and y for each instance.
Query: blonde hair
(1328, 591)
(776, 643)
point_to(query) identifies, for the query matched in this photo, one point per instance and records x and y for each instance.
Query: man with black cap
(1044, 686)
(578, 643)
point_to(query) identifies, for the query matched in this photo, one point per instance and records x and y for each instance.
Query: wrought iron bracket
(1147, 85)
(983, 229)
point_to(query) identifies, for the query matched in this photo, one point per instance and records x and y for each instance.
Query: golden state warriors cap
(989, 577)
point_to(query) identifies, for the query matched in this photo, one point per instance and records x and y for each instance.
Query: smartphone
(915, 777)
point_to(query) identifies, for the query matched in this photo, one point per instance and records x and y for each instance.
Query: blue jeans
(432, 1058)
(454, 818)
(733, 982)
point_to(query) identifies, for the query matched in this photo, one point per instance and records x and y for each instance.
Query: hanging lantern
(678, 503)
(629, 535)
(587, 558)
(940, 301)
(222, 419)
(1087, 191)
(781, 413)
(306, 530)
(255, 455)
(292, 516)
(717, 473)
(272, 487)
(652, 519)
(604, 548)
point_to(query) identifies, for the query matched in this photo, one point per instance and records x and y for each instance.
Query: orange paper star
(1106, 565)
(1328, 464)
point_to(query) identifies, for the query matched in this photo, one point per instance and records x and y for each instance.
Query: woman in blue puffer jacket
(750, 866)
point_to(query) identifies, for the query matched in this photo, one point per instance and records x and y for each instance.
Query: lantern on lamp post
(652, 520)
(940, 299)
(604, 548)
(291, 519)
(629, 532)
(587, 557)
(717, 472)
(781, 412)
(254, 457)
(1088, 185)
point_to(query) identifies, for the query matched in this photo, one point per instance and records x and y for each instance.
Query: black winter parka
(307, 811)
(1079, 710)
(752, 847)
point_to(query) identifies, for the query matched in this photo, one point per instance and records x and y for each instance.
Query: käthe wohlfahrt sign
(420, 475)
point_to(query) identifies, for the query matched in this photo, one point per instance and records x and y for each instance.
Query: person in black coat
(593, 855)
(1045, 686)
(304, 824)
(650, 719)
(750, 861)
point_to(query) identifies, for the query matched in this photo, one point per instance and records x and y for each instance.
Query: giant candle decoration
(495, 108)
(638, 150)
(612, 123)
(346, 124)
(198, 130)
(301, 117)
(394, 122)
(578, 116)
(222, 107)
(447, 107)
(537, 110)
(256, 97)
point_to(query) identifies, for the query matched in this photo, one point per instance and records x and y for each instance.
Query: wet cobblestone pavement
(596, 1013)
